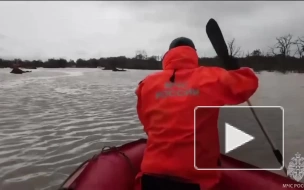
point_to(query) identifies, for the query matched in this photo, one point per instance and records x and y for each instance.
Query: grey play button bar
(241, 137)
(235, 138)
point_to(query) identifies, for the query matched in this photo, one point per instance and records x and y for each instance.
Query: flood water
(51, 120)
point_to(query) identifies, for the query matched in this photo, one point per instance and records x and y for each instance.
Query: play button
(241, 137)
(235, 138)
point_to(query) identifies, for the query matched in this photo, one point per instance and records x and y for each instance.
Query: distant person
(165, 107)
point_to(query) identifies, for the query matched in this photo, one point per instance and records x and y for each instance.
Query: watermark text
(292, 186)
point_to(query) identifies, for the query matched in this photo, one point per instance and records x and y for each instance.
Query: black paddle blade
(216, 38)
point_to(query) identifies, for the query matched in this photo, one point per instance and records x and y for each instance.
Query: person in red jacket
(165, 107)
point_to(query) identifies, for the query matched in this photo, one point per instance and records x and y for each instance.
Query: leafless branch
(233, 50)
(283, 45)
(300, 47)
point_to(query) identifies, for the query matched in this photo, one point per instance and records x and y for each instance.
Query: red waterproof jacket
(166, 110)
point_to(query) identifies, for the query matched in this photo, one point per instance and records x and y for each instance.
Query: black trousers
(149, 182)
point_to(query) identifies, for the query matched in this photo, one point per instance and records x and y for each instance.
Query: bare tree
(256, 53)
(161, 57)
(300, 47)
(153, 58)
(233, 50)
(141, 54)
(283, 45)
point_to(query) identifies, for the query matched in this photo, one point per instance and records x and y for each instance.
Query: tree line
(286, 55)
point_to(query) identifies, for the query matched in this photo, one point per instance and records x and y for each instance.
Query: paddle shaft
(275, 150)
(217, 40)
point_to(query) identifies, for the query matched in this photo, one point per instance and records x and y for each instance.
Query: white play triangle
(235, 138)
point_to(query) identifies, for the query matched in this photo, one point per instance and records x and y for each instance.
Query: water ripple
(52, 120)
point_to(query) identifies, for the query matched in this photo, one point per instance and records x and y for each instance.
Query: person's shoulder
(211, 70)
(151, 76)
(155, 74)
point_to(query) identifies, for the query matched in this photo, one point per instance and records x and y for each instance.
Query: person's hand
(231, 63)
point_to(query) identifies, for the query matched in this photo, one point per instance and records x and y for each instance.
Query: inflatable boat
(115, 169)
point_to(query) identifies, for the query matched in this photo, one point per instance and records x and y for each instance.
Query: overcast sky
(40, 30)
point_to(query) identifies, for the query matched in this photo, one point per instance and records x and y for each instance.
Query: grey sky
(40, 30)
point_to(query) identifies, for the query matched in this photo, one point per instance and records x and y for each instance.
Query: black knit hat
(181, 41)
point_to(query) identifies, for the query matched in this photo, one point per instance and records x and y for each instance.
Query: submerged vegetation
(279, 58)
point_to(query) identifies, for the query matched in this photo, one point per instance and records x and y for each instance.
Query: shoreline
(257, 63)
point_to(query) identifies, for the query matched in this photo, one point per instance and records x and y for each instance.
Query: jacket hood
(182, 57)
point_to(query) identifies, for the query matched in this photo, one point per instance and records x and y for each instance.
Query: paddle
(217, 40)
